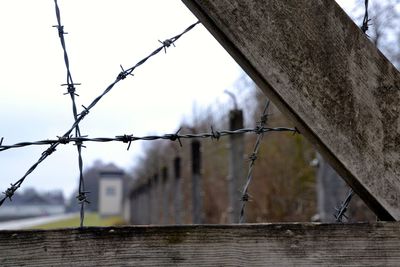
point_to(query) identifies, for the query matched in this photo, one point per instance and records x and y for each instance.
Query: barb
(341, 211)
(71, 91)
(130, 138)
(253, 158)
(122, 75)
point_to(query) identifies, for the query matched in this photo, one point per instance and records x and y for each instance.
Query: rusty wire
(80, 116)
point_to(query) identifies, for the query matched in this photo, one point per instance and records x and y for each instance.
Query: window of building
(110, 191)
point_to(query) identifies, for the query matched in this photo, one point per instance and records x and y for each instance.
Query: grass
(91, 219)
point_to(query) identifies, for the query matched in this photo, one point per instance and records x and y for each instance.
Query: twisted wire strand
(253, 158)
(130, 138)
(82, 198)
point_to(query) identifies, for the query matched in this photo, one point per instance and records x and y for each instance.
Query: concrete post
(177, 191)
(236, 177)
(196, 183)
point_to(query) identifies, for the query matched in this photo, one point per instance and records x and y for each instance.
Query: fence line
(78, 140)
(213, 134)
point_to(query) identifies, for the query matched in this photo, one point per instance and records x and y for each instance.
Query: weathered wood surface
(320, 69)
(225, 245)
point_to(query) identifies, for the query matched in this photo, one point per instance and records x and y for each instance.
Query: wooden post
(177, 191)
(319, 68)
(236, 177)
(196, 183)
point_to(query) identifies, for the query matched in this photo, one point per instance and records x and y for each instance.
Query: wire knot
(71, 88)
(167, 43)
(253, 157)
(78, 141)
(124, 73)
(245, 197)
(215, 134)
(10, 191)
(64, 139)
(60, 29)
(82, 198)
(175, 136)
(259, 130)
(126, 139)
(84, 112)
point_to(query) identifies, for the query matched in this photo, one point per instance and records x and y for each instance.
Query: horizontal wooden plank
(206, 245)
(320, 69)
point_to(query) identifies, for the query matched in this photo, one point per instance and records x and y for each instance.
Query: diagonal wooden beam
(320, 69)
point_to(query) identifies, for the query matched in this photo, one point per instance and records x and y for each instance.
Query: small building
(111, 192)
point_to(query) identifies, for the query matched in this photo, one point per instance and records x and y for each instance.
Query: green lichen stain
(176, 237)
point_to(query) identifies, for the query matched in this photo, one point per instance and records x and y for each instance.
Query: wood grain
(318, 67)
(208, 245)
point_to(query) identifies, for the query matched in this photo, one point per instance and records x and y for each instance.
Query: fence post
(177, 191)
(136, 213)
(236, 178)
(142, 204)
(138, 209)
(148, 201)
(133, 198)
(165, 195)
(196, 183)
(154, 200)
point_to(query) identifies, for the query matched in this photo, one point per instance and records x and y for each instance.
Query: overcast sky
(101, 36)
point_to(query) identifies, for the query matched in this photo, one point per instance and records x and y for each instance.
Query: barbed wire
(82, 198)
(121, 76)
(213, 134)
(252, 160)
(341, 210)
(365, 24)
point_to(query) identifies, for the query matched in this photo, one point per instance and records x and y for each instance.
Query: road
(28, 223)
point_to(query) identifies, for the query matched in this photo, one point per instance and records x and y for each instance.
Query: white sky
(102, 35)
